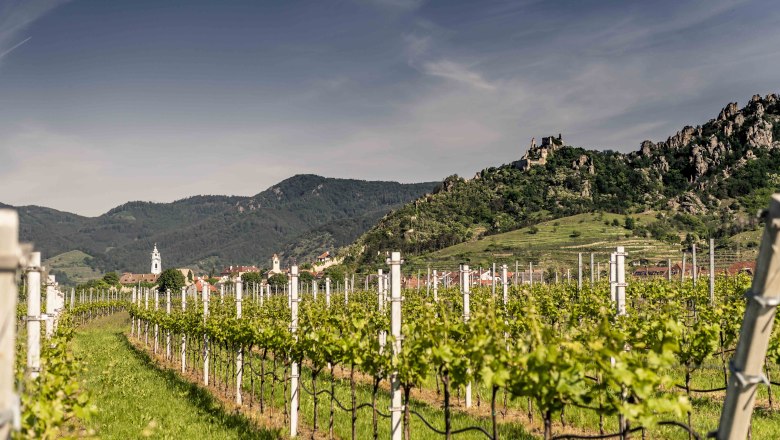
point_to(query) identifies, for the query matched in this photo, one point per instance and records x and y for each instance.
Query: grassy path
(136, 399)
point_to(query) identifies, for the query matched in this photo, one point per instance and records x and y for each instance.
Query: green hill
(209, 232)
(702, 182)
(71, 267)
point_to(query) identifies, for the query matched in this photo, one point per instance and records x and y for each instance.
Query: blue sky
(102, 102)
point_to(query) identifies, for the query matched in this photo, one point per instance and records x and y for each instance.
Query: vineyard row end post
(294, 375)
(10, 259)
(748, 361)
(396, 406)
(34, 315)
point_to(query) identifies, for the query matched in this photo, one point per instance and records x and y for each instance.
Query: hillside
(707, 180)
(211, 231)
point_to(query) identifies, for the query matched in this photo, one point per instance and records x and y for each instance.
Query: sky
(103, 102)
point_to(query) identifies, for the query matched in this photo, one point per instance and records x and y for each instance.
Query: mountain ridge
(707, 179)
(210, 231)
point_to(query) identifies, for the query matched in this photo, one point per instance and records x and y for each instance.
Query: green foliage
(249, 278)
(171, 279)
(111, 278)
(278, 279)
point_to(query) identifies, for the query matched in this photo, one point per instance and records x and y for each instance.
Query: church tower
(156, 261)
(275, 264)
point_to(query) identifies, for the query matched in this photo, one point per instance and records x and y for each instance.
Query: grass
(136, 399)
(73, 264)
(559, 241)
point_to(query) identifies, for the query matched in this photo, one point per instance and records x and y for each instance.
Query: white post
(435, 285)
(428, 284)
(34, 315)
(156, 326)
(146, 307)
(240, 354)
(206, 351)
(505, 284)
(531, 274)
(747, 364)
(579, 271)
(327, 292)
(396, 406)
(693, 264)
(221, 293)
(493, 282)
(712, 271)
(669, 269)
(294, 366)
(10, 255)
(682, 274)
(168, 332)
(466, 315)
(314, 289)
(346, 289)
(183, 335)
(613, 277)
(621, 280)
(381, 303)
(592, 274)
(50, 306)
(132, 321)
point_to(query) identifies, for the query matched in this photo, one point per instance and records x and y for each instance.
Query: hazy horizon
(162, 101)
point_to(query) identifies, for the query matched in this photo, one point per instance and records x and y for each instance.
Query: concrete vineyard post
(327, 291)
(132, 319)
(435, 286)
(579, 271)
(493, 281)
(748, 361)
(168, 332)
(428, 284)
(531, 274)
(693, 265)
(294, 395)
(380, 281)
(682, 274)
(712, 271)
(10, 257)
(314, 289)
(183, 335)
(592, 274)
(620, 285)
(466, 288)
(34, 315)
(396, 406)
(156, 326)
(669, 269)
(240, 354)
(613, 277)
(221, 293)
(50, 306)
(206, 351)
(146, 307)
(516, 270)
(72, 297)
(504, 284)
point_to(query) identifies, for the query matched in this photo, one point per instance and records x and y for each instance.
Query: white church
(156, 270)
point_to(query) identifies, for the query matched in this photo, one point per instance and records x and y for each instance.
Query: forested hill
(212, 231)
(708, 180)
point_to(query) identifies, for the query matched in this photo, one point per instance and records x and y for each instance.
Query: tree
(630, 223)
(305, 277)
(336, 273)
(170, 279)
(278, 279)
(249, 278)
(189, 276)
(111, 278)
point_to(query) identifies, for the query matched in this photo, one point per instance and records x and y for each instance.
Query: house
(135, 278)
(748, 267)
(324, 257)
(156, 270)
(237, 271)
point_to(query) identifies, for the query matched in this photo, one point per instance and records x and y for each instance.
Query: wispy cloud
(13, 48)
(15, 16)
(457, 72)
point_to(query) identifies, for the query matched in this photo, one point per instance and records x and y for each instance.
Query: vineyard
(574, 359)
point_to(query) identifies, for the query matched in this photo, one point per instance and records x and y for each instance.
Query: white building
(156, 261)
